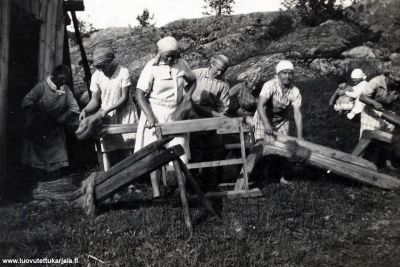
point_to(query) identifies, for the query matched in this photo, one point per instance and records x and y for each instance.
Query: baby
(349, 95)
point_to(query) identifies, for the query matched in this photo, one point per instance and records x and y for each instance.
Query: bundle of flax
(58, 190)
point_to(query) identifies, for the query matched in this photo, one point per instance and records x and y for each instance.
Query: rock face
(381, 18)
(325, 40)
(369, 38)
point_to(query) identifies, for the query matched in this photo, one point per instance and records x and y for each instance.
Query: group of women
(164, 84)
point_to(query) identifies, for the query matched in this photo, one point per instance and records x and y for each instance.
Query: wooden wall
(51, 15)
(4, 47)
(51, 37)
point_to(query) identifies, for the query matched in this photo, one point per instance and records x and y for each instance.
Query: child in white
(358, 77)
(348, 96)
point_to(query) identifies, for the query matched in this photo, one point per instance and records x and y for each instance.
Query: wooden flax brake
(333, 161)
(368, 135)
(102, 185)
(221, 125)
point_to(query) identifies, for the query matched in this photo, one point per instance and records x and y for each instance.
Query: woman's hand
(268, 130)
(83, 114)
(151, 121)
(378, 106)
(103, 113)
(341, 92)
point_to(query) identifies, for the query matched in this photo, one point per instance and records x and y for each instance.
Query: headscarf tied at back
(284, 65)
(168, 43)
(165, 44)
(254, 77)
(224, 60)
(103, 54)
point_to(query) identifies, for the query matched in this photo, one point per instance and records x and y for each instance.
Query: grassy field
(322, 220)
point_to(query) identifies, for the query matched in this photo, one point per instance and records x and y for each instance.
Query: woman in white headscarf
(160, 89)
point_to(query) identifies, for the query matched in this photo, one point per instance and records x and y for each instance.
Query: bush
(281, 25)
(314, 12)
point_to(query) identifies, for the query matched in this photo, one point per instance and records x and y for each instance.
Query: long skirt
(145, 136)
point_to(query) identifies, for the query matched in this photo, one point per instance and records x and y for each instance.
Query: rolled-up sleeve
(125, 78)
(296, 99)
(189, 74)
(224, 100)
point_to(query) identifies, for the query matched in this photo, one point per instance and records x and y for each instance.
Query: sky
(122, 13)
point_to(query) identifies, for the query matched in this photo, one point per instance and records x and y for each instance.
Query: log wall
(4, 48)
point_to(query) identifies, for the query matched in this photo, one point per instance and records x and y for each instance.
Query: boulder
(380, 17)
(359, 52)
(324, 41)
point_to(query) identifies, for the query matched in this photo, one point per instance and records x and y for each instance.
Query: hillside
(368, 37)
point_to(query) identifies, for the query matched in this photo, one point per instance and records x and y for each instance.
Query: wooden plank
(182, 192)
(99, 155)
(243, 152)
(382, 136)
(341, 168)
(42, 45)
(59, 35)
(222, 124)
(215, 163)
(145, 151)
(126, 177)
(4, 56)
(329, 152)
(234, 194)
(193, 184)
(366, 139)
(117, 129)
(386, 114)
(363, 143)
(209, 164)
(50, 38)
(391, 117)
(236, 146)
(129, 161)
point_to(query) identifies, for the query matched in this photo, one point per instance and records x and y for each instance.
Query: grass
(322, 220)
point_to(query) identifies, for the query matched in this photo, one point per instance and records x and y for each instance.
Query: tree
(145, 18)
(315, 11)
(218, 7)
(85, 28)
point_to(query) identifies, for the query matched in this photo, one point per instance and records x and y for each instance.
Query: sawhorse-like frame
(367, 137)
(221, 125)
(102, 185)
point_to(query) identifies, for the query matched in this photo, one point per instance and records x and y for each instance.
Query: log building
(33, 40)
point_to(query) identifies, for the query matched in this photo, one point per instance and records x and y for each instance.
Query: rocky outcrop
(326, 40)
(381, 18)
(369, 38)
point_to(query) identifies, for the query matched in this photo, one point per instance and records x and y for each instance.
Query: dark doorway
(23, 75)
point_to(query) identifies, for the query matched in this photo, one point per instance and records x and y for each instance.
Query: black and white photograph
(200, 133)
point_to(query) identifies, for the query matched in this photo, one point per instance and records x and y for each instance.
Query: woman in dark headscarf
(244, 96)
(110, 86)
(48, 106)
